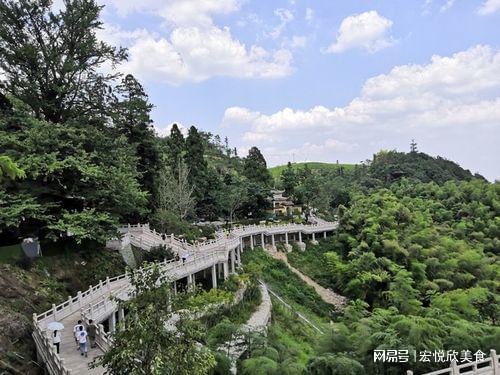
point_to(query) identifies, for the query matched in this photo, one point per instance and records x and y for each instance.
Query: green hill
(276, 171)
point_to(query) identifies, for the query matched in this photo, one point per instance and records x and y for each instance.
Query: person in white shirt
(82, 341)
(56, 340)
(76, 330)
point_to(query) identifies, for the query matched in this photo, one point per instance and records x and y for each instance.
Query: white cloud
(285, 16)
(194, 49)
(298, 41)
(177, 12)
(309, 14)
(447, 5)
(367, 30)
(455, 97)
(192, 54)
(489, 7)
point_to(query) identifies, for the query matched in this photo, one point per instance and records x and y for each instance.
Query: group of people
(84, 336)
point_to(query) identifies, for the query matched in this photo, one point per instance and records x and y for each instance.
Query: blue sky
(322, 80)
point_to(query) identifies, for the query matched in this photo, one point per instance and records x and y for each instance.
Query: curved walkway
(97, 301)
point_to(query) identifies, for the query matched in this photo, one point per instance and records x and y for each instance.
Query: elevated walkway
(97, 303)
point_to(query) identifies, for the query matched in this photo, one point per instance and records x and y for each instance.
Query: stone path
(327, 295)
(73, 360)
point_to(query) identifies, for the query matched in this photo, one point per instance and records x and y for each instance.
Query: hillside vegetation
(416, 252)
(277, 170)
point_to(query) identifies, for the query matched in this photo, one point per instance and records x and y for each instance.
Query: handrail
(207, 252)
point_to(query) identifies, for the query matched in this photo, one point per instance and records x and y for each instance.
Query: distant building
(282, 205)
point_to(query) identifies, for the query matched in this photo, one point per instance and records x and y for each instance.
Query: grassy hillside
(276, 171)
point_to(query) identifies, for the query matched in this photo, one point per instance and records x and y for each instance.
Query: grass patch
(287, 284)
(11, 254)
(313, 263)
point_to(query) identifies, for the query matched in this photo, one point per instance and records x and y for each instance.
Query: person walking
(91, 330)
(56, 340)
(82, 341)
(76, 331)
(177, 258)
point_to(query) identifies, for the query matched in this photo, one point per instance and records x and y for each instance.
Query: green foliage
(259, 366)
(334, 365)
(84, 225)
(9, 169)
(147, 346)
(53, 60)
(280, 278)
(392, 165)
(223, 366)
(255, 167)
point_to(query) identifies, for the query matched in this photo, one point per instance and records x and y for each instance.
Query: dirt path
(328, 295)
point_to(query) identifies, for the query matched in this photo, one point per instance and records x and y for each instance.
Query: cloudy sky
(322, 80)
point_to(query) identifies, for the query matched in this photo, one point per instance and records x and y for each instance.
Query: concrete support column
(112, 322)
(272, 239)
(175, 287)
(262, 240)
(232, 261)
(214, 276)
(226, 271)
(251, 242)
(242, 245)
(324, 234)
(190, 279)
(121, 316)
(314, 237)
(300, 236)
(238, 255)
(286, 238)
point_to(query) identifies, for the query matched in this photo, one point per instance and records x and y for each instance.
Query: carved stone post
(214, 276)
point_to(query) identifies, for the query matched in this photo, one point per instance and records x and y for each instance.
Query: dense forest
(416, 252)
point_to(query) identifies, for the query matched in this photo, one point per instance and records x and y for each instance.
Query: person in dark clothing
(91, 331)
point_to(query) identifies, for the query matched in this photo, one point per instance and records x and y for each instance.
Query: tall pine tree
(174, 149)
(134, 121)
(255, 167)
(198, 168)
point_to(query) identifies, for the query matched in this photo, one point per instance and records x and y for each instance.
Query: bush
(259, 366)
(223, 366)
(334, 365)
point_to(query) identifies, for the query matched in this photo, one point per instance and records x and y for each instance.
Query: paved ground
(73, 360)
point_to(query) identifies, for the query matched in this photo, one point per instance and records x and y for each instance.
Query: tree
(334, 365)
(234, 197)
(413, 146)
(174, 149)
(70, 171)
(9, 169)
(154, 340)
(255, 167)
(289, 180)
(52, 61)
(175, 193)
(132, 118)
(198, 169)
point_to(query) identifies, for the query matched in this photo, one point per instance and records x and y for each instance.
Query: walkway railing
(97, 301)
(487, 366)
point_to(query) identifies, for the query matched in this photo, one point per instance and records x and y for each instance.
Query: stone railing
(487, 366)
(47, 351)
(202, 255)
